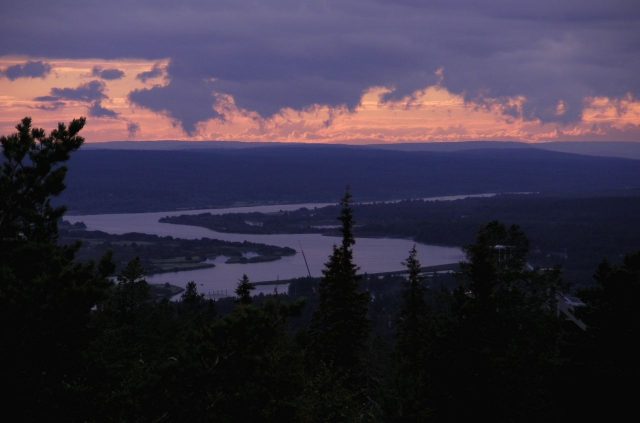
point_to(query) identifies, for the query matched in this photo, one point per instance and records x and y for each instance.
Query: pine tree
(191, 296)
(413, 316)
(33, 172)
(413, 339)
(243, 291)
(131, 294)
(46, 300)
(340, 327)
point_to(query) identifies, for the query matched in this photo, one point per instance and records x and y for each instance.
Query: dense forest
(78, 345)
(113, 181)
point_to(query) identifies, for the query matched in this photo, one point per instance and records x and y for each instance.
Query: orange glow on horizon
(430, 114)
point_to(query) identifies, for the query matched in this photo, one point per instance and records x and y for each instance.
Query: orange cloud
(17, 97)
(431, 114)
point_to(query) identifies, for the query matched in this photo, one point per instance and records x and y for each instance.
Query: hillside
(129, 181)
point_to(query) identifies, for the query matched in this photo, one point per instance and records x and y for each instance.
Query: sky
(329, 71)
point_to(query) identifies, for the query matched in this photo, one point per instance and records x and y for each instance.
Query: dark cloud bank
(287, 53)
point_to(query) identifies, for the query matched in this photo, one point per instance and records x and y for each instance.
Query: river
(372, 255)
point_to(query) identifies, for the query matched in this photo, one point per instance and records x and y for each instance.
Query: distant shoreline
(248, 204)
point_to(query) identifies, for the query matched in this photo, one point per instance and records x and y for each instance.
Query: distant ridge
(622, 149)
(174, 145)
(118, 180)
(451, 146)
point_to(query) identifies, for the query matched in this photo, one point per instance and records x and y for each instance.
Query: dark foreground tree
(414, 336)
(191, 296)
(505, 331)
(337, 385)
(414, 314)
(243, 290)
(45, 298)
(612, 314)
(602, 361)
(129, 297)
(33, 172)
(340, 327)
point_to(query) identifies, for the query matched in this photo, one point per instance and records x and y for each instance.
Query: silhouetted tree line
(77, 345)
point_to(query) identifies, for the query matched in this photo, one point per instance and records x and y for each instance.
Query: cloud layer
(281, 55)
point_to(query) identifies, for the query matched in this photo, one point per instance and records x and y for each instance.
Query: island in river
(159, 254)
(575, 232)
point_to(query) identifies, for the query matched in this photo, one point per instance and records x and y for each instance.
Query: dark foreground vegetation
(78, 347)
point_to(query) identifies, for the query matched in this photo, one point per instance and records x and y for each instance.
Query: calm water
(373, 255)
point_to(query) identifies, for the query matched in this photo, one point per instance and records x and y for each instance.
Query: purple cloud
(195, 97)
(133, 128)
(91, 91)
(97, 110)
(53, 105)
(47, 98)
(288, 53)
(30, 69)
(107, 74)
(155, 72)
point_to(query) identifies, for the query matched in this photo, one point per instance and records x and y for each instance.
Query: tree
(340, 327)
(604, 360)
(133, 273)
(494, 263)
(33, 173)
(243, 291)
(413, 315)
(413, 339)
(191, 294)
(506, 330)
(611, 313)
(46, 299)
(130, 295)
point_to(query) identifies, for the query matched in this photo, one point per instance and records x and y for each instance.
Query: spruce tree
(340, 327)
(131, 294)
(413, 320)
(191, 297)
(243, 291)
(412, 350)
(414, 309)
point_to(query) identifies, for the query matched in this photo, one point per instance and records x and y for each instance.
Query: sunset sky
(337, 71)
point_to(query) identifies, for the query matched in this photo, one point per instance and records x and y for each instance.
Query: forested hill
(128, 181)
